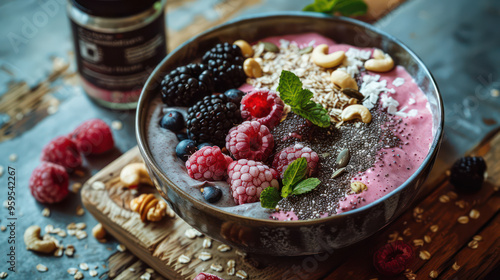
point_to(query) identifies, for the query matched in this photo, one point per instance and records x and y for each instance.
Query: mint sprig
(299, 99)
(294, 183)
(344, 7)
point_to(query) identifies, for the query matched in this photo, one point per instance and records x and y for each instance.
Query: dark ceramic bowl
(291, 238)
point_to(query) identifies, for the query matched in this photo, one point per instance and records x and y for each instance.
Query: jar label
(115, 66)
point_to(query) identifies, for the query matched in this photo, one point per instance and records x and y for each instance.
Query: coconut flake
(398, 82)
(372, 87)
(412, 101)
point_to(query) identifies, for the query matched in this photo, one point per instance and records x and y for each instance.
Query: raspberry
(393, 258)
(467, 173)
(249, 178)
(291, 153)
(49, 183)
(262, 105)
(250, 140)
(207, 276)
(93, 137)
(61, 150)
(209, 163)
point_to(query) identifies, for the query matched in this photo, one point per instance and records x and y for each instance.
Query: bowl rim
(142, 143)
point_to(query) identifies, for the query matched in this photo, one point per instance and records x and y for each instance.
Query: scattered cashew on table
(35, 243)
(135, 173)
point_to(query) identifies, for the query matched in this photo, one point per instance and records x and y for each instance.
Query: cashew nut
(35, 243)
(134, 173)
(252, 68)
(357, 111)
(321, 57)
(381, 62)
(98, 231)
(358, 187)
(341, 79)
(245, 47)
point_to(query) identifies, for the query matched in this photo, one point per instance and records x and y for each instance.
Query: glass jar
(117, 43)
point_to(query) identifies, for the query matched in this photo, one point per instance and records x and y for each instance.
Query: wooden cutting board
(444, 223)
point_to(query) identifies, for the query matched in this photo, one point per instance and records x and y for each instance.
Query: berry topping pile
(248, 178)
(264, 106)
(210, 119)
(93, 137)
(49, 183)
(226, 63)
(208, 164)
(286, 156)
(250, 140)
(185, 149)
(62, 151)
(185, 85)
(467, 173)
(211, 194)
(393, 258)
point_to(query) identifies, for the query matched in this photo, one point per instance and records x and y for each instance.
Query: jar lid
(113, 8)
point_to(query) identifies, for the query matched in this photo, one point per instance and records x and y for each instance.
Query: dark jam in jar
(118, 43)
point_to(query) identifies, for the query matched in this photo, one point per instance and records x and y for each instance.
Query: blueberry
(234, 95)
(185, 148)
(173, 121)
(211, 194)
(206, 144)
(182, 136)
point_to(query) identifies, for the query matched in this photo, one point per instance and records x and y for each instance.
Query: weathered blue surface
(458, 40)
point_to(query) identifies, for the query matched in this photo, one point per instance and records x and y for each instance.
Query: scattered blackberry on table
(210, 119)
(211, 194)
(185, 149)
(172, 120)
(467, 173)
(234, 95)
(185, 85)
(393, 258)
(226, 63)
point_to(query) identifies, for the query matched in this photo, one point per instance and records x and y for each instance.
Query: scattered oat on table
(46, 212)
(41, 268)
(473, 244)
(84, 266)
(121, 248)
(184, 259)
(145, 276)
(72, 270)
(477, 237)
(3, 275)
(93, 273)
(463, 220)
(75, 187)
(1, 173)
(13, 157)
(433, 274)
(241, 274)
(78, 275)
(216, 267)
(495, 92)
(191, 233)
(418, 242)
(223, 248)
(427, 239)
(79, 210)
(116, 125)
(455, 266)
(424, 255)
(444, 198)
(434, 228)
(205, 256)
(474, 214)
(3, 228)
(207, 243)
(70, 250)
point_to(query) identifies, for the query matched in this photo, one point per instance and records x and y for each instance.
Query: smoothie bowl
(305, 133)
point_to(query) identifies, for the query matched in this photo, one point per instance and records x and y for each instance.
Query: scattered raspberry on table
(93, 137)
(248, 178)
(49, 183)
(61, 150)
(207, 276)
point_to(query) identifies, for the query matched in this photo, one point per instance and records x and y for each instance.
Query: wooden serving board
(433, 219)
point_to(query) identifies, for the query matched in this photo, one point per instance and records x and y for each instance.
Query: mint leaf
(294, 173)
(315, 113)
(299, 99)
(290, 88)
(310, 8)
(306, 186)
(324, 6)
(351, 7)
(270, 197)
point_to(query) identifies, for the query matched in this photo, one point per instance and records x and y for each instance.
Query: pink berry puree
(399, 97)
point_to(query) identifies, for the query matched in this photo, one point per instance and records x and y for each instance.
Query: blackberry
(210, 119)
(226, 63)
(185, 85)
(467, 173)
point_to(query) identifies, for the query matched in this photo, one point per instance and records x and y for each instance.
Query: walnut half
(149, 207)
